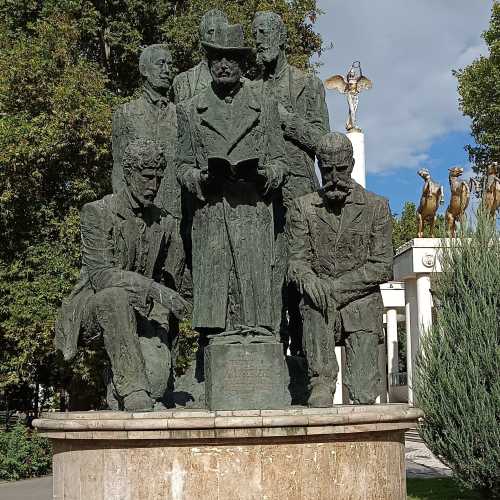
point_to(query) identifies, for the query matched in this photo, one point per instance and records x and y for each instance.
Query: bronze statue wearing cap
(231, 159)
(198, 78)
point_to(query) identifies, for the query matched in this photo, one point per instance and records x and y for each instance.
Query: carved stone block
(245, 376)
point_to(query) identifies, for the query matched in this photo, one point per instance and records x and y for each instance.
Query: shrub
(23, 454)
(458, 382)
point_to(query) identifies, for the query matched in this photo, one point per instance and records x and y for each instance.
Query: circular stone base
(344, 452)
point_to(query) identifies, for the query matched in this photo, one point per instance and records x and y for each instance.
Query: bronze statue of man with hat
(198, 78)
(231, 159)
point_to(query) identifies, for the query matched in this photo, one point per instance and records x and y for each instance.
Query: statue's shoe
(321, 397)
(138, 401)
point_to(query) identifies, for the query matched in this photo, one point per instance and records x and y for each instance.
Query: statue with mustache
(340, 252)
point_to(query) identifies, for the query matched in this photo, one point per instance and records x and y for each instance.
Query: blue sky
(410, 118)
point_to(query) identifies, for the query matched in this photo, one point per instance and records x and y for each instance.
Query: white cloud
(409, 49)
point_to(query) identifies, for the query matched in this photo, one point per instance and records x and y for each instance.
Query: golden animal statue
(459, 201)
(432, 197)
(491, 194)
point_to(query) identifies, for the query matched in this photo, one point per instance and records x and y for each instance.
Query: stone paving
(420, 463)
(29, 489)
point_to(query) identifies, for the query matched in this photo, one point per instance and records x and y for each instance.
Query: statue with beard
(340, 252)
(304, 120)
(230, 158)
(303, 110)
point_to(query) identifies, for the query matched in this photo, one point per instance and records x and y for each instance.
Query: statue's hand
(274, 177)
(171, 300)
(195, 181)
(317, 291)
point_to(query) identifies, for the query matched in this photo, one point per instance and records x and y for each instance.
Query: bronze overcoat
(232, 231)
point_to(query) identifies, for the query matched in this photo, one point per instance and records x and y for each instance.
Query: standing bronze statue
(459, 200)
(231, 158)
(304, 119)
(153, 116)
(432, 197)
(198, 78)
(303, 110)
(121, 295)
(340, 252)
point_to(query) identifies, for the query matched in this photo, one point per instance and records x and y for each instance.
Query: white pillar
(424, 300)
(382, 368)
(392, 341)
(358, 144)
(340, 397)
(412, 339)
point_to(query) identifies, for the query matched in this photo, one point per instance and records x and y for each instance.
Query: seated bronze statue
(340, 252)
(121, 296)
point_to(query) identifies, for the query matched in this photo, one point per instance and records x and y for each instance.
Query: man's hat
(228, 38)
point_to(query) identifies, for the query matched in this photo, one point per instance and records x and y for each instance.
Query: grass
(438, 489)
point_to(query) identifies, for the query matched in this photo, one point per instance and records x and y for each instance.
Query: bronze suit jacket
(351, 251)
(118, 250)
(303, 95)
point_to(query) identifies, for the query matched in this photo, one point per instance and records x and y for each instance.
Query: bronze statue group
(217, 215)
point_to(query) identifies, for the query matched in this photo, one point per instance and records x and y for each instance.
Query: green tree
(479, 89)
(458, 383)
(405, 226)
(64, 66)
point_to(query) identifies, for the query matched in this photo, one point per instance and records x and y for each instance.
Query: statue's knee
(111, 298)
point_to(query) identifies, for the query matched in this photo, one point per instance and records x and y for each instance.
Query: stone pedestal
(245, 376)
(345, 452)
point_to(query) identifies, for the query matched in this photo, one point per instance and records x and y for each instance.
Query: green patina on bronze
(121, 296)
(304, 120)
(340, 252)
(302, 105)
(209, 183)
(198, 78)
(231, 158)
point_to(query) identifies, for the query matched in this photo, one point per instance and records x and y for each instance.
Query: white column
(358, 144)
(382, 368)
(412, 338)
(424, 300)
(340, 397)
(392, 341)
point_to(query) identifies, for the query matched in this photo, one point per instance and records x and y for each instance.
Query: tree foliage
(479, 89)
(458, 383)
(23, 454)
(64, 66)
(405, 227)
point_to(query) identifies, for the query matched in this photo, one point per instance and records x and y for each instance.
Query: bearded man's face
(336, 168)
(267, 37)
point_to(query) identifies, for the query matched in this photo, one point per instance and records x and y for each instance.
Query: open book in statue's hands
(241, 170)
